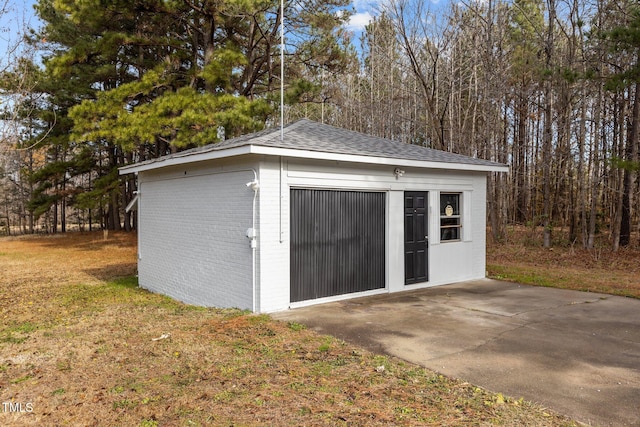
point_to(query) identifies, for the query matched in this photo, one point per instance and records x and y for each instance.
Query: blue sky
(16, 15)
(365, 11)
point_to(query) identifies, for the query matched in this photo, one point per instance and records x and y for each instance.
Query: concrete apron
(577, 353)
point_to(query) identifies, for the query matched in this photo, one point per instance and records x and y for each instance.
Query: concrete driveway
(576, 353)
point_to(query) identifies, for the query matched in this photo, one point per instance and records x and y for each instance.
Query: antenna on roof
(281, 70)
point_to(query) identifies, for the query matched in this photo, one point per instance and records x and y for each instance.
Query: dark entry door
(416, 255)
(337, 242)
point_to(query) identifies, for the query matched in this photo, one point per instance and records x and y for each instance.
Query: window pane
(444, 222)
(449, 204)
(450, 218)
(450, 233)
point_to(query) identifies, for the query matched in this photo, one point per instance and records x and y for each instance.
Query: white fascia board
(188, 158)
(305, 154)
(320, 155)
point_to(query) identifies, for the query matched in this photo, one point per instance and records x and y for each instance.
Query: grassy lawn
(523, 259)
(81, 344)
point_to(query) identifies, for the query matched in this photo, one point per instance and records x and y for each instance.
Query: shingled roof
(308, 139)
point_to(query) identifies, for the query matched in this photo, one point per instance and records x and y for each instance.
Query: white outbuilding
(271, 221)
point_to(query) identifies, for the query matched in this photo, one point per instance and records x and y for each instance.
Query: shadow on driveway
(576, 353)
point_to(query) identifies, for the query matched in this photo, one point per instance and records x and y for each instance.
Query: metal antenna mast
(282, 70)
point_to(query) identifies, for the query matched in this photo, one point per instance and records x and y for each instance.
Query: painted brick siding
(274, 254)
(193, 222)
(192, 237)
(479, 221)
(450, 262)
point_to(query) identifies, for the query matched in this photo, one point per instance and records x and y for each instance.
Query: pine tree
(126, 81)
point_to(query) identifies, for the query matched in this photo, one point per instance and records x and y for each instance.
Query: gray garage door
(337, 242)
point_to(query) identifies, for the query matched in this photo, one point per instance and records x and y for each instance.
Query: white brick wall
(192, 235)
(449, 262)
(193, 221)
(273, 237)
(458, 261)
(479, 218)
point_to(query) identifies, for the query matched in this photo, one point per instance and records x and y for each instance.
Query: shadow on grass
(82, 240)
(113, 271)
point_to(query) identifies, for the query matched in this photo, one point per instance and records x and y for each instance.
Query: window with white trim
(450, 217)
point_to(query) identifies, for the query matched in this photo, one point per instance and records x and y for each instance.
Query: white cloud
(360, 5)
(359, 20)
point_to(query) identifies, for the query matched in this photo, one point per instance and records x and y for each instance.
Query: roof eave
(181, 160)
(307, 154)
(321, 155)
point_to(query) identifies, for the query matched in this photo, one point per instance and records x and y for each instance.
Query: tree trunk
(54, 226)
(548, 129)
(521, 215)
(582, 190)
(597, 134)
(113, 216)
(630, 156)
(63, 208)
(618, 149)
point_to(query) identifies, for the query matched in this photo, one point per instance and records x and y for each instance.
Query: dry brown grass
(77, 344)
(524, 260)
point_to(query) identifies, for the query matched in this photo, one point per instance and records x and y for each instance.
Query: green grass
(294, 326)
(558, 278)
(522, 275)
(83, 298)
(17, 333)
(93, 341)
(21, 379)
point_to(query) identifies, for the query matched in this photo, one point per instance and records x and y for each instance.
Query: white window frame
(460, 216)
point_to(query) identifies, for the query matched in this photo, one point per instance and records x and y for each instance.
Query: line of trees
(549, 87)
(125, 81)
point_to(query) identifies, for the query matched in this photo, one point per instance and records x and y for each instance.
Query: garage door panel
(337, 242)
